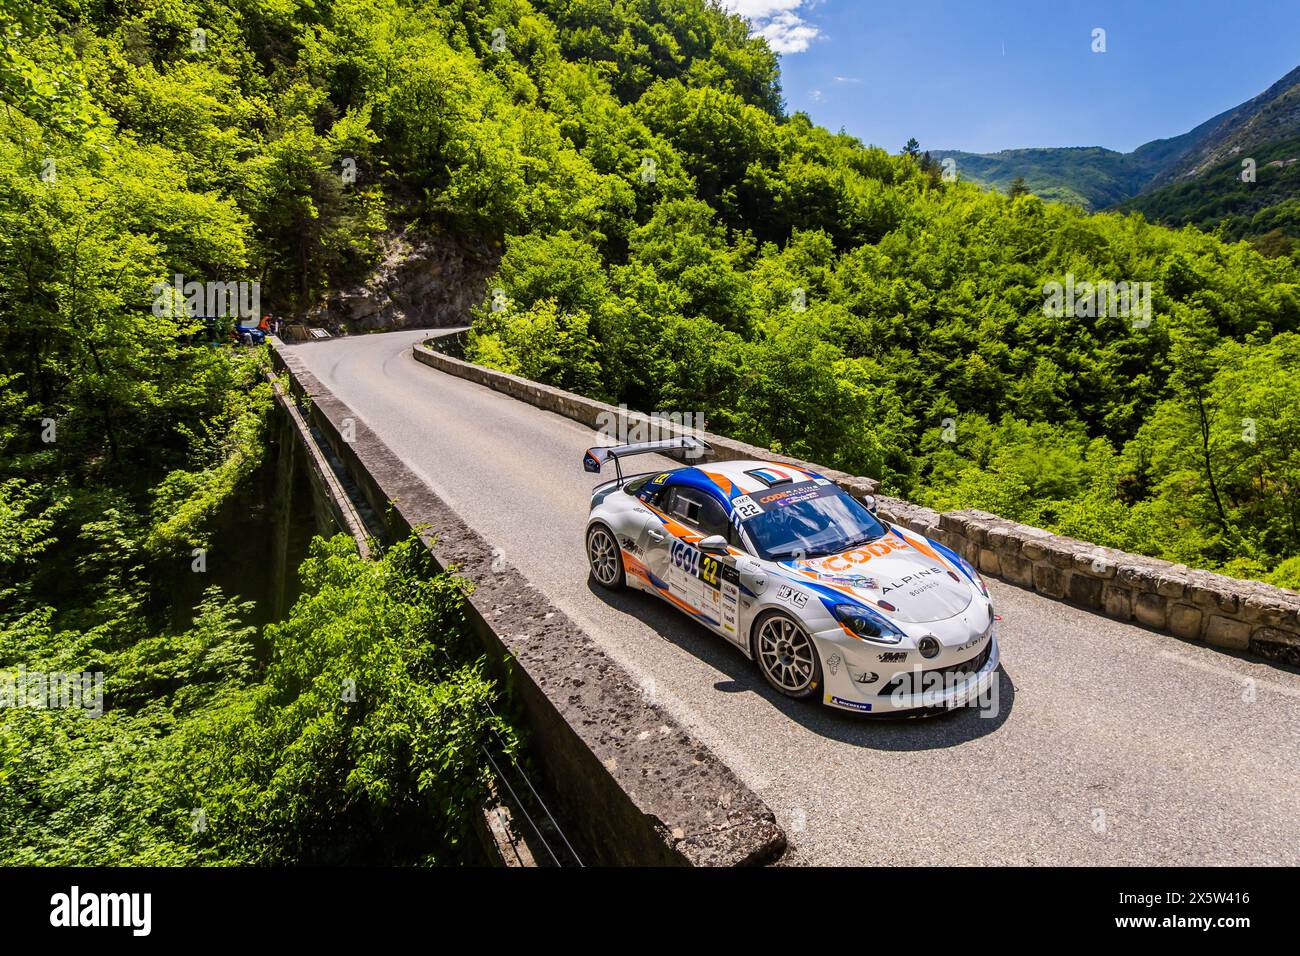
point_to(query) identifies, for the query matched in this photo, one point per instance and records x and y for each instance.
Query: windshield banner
(770, 499)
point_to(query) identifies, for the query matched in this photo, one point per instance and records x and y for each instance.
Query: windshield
(813, 527)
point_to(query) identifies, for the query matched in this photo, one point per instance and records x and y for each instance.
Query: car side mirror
(713, 544)
(870, 502)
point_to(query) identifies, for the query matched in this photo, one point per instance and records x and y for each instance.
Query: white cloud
(777, 21)
(761, 8)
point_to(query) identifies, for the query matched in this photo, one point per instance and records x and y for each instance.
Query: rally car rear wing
(684, 447)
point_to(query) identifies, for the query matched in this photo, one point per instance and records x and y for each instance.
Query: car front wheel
(787, 656)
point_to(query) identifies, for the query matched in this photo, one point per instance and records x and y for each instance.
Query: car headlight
(867, 624)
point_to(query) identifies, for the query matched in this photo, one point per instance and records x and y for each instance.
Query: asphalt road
(1111, 744)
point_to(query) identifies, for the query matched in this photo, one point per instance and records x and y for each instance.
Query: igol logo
(928, 646)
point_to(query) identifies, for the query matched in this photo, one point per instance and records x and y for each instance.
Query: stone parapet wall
(1195, 605)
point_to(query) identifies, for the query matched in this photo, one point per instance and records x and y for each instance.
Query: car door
(703, 585)
(657, 540)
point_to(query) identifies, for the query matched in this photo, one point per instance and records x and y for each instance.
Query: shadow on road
(929, 732)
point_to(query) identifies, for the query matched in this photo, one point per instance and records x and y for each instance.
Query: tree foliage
(351, 737)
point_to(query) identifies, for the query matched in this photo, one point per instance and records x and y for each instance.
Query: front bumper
(864, 678)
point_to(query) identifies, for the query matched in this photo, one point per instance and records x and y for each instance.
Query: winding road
(1111, 744)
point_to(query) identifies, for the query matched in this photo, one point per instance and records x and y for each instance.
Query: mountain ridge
(1096, 177)
(1272, 114)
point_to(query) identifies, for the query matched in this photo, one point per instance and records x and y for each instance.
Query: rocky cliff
(420, 281)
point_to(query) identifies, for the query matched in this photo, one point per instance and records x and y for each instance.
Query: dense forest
(671, 239)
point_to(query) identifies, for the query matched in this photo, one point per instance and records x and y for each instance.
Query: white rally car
(831, 600)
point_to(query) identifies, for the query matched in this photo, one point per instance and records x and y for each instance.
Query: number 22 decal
(709, 571)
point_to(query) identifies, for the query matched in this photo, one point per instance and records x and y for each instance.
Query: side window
(650, 488)
(699, 509)
(713, 519)
(683, 503)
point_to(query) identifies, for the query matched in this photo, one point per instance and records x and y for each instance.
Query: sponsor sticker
(916, 582)
(804, 491)
(863, 581)
(730, 596)
(792, 597)
(746, 507)
(684, 574)
(853, 704)
(843, 563)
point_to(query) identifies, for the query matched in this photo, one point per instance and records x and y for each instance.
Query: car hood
(921, 587)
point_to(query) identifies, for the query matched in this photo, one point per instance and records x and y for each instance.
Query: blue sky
(985, 75)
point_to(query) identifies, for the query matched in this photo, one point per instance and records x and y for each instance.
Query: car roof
(731, 479)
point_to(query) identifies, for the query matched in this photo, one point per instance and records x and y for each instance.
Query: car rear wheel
(605, 558)
(787, 656)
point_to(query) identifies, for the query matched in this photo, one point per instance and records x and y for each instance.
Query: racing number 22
(709, 571)
(696, 565)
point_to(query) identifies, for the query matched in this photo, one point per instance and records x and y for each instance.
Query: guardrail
(1224, 612)
(637, 788)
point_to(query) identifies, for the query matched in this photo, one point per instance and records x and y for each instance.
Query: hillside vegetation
(1090, 177)
(1271, 116)
(1265, 210)
(1194, 178)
